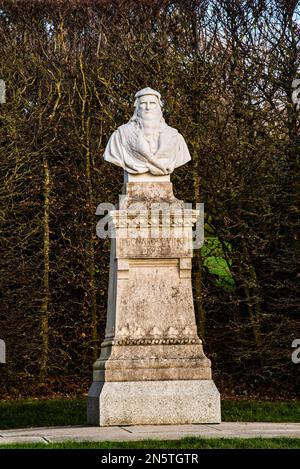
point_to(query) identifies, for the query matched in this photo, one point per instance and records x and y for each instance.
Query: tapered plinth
(152, 368)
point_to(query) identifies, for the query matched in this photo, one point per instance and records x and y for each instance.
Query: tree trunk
(46, 291)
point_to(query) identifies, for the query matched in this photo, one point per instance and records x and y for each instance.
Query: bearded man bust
(146, 144)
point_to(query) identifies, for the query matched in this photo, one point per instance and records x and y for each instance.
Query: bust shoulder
(124, 126)
(168, 130)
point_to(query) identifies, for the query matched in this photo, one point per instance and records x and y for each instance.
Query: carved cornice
(152, 341)
(171, 336)
(148, 218)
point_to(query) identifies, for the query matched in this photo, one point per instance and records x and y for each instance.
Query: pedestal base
(153, 403)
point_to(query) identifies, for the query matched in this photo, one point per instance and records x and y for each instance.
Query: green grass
(253, 411)
(43, 413)
(185, 443)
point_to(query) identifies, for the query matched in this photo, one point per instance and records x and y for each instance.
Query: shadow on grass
(62, 412)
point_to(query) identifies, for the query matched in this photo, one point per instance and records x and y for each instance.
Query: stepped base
(153, 403)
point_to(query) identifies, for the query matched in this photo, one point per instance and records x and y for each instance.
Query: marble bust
(146, 144)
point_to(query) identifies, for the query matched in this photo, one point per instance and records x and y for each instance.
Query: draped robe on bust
(129, 148)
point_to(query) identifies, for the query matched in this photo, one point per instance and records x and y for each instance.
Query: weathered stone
(145, 194)
(154, 403)
(151, 334)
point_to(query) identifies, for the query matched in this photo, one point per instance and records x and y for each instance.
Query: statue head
(148, 105)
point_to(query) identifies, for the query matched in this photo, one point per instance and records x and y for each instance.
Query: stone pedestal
(152, 369)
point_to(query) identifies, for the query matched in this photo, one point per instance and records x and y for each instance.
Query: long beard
(151, 124)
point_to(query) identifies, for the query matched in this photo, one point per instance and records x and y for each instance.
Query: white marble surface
(146, 144)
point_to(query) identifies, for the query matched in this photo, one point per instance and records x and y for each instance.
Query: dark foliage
(225, 70)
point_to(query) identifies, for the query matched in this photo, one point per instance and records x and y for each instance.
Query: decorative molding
(155, 332)
(147, 218)
(148, 262)
(172, 333)
(124, 265)
(185, 267)
(137, 336)
(152, 341)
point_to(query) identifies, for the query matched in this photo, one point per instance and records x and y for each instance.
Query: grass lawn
(43, 413)
(184, 443)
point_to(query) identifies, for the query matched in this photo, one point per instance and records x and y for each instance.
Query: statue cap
(148, 91)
